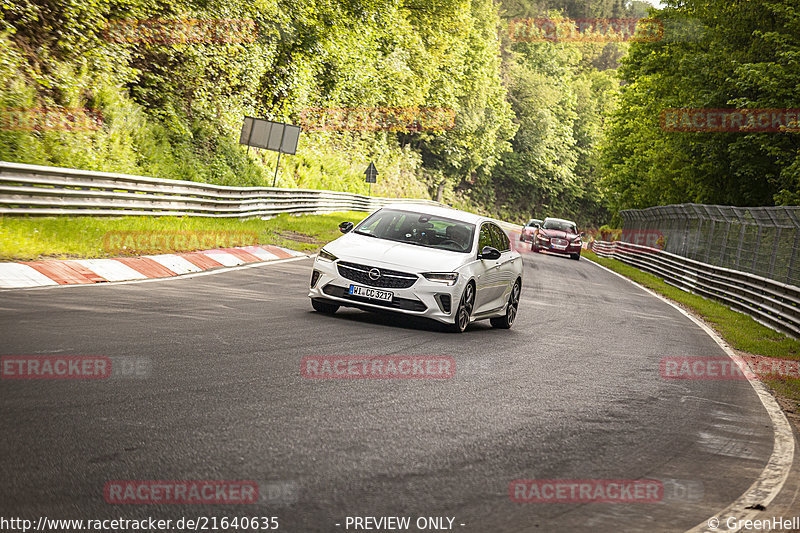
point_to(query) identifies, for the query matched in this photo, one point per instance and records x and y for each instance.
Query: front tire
(324, 307)
(507, 320)
(464, 311)
(576, 257)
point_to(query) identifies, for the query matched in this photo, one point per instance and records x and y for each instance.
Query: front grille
(389, 279)
(396, 303)
(559, 242)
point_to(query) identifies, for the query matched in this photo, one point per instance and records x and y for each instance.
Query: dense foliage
(715, 54)
(541, 128)
(172, 108)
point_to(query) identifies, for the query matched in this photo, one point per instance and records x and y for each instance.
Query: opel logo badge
(374, 274)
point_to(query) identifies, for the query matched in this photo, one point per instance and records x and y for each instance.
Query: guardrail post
(739, 248)
(697, 235)
(710, 240)
(774, 252)
(789, 277)
(756, 248)
(723, 252)
(685, 244)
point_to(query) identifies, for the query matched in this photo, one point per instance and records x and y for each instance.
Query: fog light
(315, 278)
(444, 302)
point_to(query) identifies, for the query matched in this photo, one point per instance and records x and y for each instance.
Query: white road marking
(291, 252)
(259, 252)
(13, 275)
(224, 258)
(771, 480)
(111, 270)
(176, 263)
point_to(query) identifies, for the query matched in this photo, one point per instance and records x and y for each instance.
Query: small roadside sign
(372, 175)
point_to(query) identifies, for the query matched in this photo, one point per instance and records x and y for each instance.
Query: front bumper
(550, 247)
(424, 298)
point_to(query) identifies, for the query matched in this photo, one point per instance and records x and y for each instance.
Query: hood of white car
(395, 255)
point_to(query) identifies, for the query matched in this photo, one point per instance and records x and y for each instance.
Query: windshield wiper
(367, 234)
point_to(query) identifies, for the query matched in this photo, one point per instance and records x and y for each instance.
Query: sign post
(278, 164)
(276, 136)
(372, 175)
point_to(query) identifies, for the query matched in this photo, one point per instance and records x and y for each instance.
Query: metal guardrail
(770, 302)
(761, 240)
(40, 190)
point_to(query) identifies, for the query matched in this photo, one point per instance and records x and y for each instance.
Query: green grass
(737, 329)
(34, 238)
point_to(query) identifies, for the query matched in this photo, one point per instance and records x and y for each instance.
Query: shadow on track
(377, 318)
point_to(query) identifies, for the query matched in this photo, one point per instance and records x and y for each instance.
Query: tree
(714, 54)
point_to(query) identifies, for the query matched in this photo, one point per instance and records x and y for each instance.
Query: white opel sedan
(433, 262)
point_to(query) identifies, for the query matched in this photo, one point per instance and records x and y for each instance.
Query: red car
(557, 235)
(527, 229)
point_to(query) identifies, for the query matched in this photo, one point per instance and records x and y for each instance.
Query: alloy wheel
(513, 304)
(465, 308)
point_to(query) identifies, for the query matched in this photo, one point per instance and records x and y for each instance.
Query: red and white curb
(85, 271)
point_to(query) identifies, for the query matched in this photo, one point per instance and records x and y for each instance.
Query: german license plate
(369, 292)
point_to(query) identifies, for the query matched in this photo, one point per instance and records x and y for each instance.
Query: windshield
(419, 229)
(560, 225)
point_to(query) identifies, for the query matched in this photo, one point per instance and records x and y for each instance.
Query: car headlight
(544, 237)
(576, 240)
(448, 278)
(326, 255)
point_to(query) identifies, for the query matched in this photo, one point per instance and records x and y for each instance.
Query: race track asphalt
(572, 392)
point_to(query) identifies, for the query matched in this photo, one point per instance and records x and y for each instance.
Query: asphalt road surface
(572, 392)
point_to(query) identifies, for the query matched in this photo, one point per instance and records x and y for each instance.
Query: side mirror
(489, 253)
(344, 227)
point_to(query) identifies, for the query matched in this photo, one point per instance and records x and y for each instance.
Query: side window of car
(485, 238)
(500, 239)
